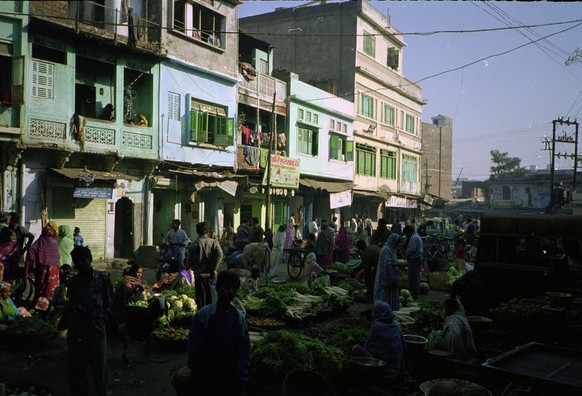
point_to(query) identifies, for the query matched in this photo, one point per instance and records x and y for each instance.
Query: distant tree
(504, 163)
(575, 57)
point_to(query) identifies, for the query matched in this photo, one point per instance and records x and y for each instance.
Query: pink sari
(43, 256)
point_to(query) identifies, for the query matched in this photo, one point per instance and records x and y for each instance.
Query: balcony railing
(263, 87)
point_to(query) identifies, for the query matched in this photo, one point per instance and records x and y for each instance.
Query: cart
(295, 261)
(543, 368)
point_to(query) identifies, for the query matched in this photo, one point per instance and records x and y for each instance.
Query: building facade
(437, 147)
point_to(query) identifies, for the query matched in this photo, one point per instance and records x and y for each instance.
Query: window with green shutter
(366, 160)
(409, 123)
(409, 169)
(388, 115)
(369, 44)
(367, 106)
(307, 140)
(209, 124)
(388, 164)
(393, 58)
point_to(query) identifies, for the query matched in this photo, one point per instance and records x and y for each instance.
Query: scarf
(66, 244)
(44, 251)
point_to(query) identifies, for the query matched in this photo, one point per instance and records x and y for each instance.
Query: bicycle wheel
(294, 266)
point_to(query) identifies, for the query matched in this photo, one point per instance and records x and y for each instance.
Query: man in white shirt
(312, 227)
(178, 237)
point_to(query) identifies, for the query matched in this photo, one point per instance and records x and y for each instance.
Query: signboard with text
(104, 193)
(401, 202)
(284, 172)
(340, 199)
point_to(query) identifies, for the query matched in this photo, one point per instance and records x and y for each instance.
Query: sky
(502, 88)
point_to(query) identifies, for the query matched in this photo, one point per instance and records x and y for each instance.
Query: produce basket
(171, 338)
(27, 333)
(438, 281)
(266, 323)
(464, 387)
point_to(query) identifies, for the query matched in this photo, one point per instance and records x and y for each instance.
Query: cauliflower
(178, 304)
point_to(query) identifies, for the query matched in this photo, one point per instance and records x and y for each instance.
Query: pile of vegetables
(181, 307)
(25, 391)
(430, 316)
(171, 334)
(406, 299)
(31, 326)
(282, 351)
(345, 339)
(453, 274)
(520, 308)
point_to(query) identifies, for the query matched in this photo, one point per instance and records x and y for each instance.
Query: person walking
(24, 238)
(324, 247)
(77, 237)
(257, 233)
(204, 257)
(312, 227)
(388, 274)
(242, 234)
(219, 344)
(177, 237)
(90, 301)
(414, 256)
(367, 228)
(279, 241)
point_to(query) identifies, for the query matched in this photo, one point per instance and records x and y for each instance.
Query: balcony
(259, 92)
(126, 26)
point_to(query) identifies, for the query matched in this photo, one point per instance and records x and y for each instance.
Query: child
(8, 310)
(77, 237)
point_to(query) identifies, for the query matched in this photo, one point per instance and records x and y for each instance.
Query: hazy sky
(504, 102)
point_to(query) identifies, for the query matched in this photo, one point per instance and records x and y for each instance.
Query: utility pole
(564, 138)
(426, 178)
(271, 144)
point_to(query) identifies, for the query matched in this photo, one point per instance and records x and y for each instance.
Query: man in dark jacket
(204, 257)
(257, 233)
(90, 300)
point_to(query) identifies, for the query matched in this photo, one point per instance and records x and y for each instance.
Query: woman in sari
(387, 274)
(185, 278)
(9, 254)
(289, 237)
(43, 258)
(342, 245)
(66, 244)
(130, 288)
(279, 241)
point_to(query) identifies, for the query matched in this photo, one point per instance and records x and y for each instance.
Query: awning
(76, 173)
(371, 194)
(329, 186)
(212, 177)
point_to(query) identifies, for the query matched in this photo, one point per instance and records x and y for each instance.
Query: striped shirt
(414, 248)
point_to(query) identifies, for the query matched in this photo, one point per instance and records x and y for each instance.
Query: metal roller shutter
(90, 215)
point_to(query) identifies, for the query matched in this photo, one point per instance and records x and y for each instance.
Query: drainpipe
(21, 190)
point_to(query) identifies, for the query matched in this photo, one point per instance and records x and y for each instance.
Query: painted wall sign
(105, 193)
(284, 172)
(340, 199)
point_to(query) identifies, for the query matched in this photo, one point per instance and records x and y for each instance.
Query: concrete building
(437, 157)
(350, 49)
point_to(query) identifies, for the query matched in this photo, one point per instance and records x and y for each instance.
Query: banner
(401, 202)
(340, 199)
(89, 193)
(284, 172)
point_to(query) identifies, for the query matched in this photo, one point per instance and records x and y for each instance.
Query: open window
(210, 124)
(388, 164)
(393, 58)
(307, 140)
(199, 22)
(340, 148)
(94, 89)
(5, 74)
(137, 97)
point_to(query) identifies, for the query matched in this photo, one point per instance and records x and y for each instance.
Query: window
(340, 148)
(409, 124)
(307, 140)
(308, 116)
(300, 114)
(42, 80)
(388, 115)
(137, 97)
(367, 106)
(94, 89)
(173, 106)
(388, 164)
(263, 66)
(369, 44)
(331, 125)
(345, 128)
(209, 124)
(366, 160)
(199, 22)
(393, 58)
(409, 169)
(315, 118)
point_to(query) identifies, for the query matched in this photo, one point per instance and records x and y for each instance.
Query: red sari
(43, 256)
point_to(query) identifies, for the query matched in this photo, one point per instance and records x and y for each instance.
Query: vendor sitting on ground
(457, 332)
(130, 288)
(8, 310)
(385, 340)
(312, 270)
(185, 278)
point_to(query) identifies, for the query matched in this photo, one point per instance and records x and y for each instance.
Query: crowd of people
(218, 346)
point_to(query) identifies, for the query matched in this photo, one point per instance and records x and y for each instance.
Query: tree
(504, 163)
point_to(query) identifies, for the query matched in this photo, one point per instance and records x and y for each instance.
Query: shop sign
(340, 199)
(284, 172)
(401, 202)
(105, 193)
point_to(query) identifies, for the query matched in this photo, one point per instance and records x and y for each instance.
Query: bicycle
(23, 289)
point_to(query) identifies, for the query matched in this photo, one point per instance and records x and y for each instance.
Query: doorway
(123, 239)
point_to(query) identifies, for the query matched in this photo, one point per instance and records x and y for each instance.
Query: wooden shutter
(221, 133)
(315, 142)
(193, 125)
(230, 132)
(349, 150)
(202, 125)
(333, 147)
